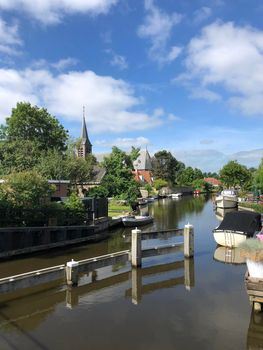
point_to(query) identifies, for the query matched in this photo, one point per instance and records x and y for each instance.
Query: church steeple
(85, 146)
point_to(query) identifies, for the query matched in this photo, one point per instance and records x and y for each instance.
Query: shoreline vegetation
(115, 208)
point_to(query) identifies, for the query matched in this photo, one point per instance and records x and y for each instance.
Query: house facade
(143, 168)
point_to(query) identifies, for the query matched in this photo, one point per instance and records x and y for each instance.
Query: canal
(104, 311)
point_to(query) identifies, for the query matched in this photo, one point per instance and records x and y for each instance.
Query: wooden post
(136, 249)
(72, 272)
(257, 306)
(136, 286)
(188, 241)
(189, 273)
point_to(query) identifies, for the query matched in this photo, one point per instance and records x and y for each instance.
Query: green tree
(258, 177)
(18, 156)
(234, 174)
(188, 176)
(25, 189)
(79, 169)
(53, 165)
(201, 185)
(36, 125)
(159, 183)
(166, 166)
(119, 181)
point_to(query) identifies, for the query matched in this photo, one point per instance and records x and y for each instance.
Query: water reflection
(255, 331)
(30, 308)
(100, 314)
(221, 212)
(229, 255)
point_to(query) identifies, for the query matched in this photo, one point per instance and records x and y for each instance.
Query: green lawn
(255, 206)
(116, 209)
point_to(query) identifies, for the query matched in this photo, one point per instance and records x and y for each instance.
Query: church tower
(85, 147)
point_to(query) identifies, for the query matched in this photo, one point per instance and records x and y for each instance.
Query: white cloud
(213, 160)
(60, 65)
(117, 60)
(111, 105)
(203, 93)
(202, 14)
(64, 63)
(230, 57)
(124, 142)
(9, 38)
(52, 11)
(173, 117)
(157, 27)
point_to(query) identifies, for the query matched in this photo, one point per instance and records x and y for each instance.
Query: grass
(255, 206)
(116, 209)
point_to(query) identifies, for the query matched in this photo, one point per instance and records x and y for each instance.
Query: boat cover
(244, 221)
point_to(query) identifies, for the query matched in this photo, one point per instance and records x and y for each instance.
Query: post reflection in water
(255, 331)
(118, 307)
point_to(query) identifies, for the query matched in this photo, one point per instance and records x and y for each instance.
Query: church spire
(84, 133)
(85, 146)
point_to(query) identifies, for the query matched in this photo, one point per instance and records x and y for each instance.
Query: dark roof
(243, 221)
(84, 133)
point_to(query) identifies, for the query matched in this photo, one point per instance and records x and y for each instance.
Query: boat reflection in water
(221, 212)
(228, 255)
(255, 331)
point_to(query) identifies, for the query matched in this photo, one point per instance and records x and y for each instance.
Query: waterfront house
(143, 168)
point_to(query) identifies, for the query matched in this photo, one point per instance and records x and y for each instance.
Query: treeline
(35, 147)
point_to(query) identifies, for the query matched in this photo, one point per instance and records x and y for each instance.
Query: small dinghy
(137, 220)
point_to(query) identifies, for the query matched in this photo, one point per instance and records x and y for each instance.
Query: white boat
(227, 199)
(176, 195)
(236, 227)
(136, 220)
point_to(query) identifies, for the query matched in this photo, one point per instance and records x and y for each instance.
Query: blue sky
(185, 76)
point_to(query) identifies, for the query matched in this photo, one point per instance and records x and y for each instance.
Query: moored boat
(136, 220)
(176, 195)
(236, 227)
(227, 199)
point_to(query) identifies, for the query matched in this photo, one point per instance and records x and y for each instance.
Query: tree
(234, 174)
(188, 176)
(35, 124)
(118, 181)
(18, 156)
(201, 185)
(258, 177)
(25, 189)
(79, 170)
(159, 183)
(166, 166)
(53, 165)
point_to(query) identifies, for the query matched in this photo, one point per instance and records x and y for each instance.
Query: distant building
(212, 181)
(143, 168)
(62, 189)
(98, 174)
(85, 147)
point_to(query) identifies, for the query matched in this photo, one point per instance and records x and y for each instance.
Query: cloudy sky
(185, 76)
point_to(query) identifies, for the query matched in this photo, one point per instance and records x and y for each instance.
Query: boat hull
(229, 239)
(133, 222)
(226, 202)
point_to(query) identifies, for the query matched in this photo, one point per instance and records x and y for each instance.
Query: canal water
(151, 308)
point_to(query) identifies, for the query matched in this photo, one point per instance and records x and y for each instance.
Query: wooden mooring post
(188, 241)
(136, 248)
(72, 273)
